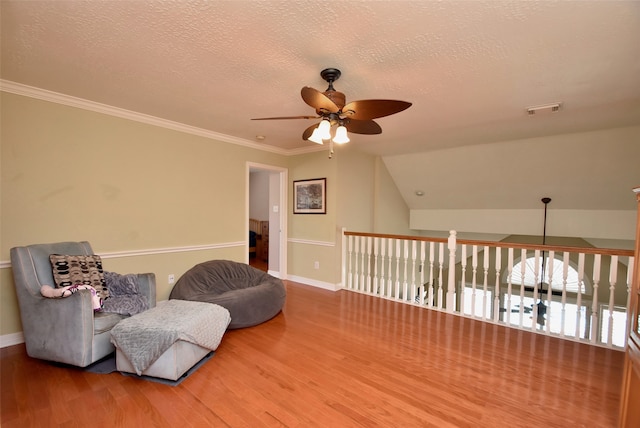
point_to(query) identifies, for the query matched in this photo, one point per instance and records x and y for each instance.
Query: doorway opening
(266, 212)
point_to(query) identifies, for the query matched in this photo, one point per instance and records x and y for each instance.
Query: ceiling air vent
(547, 108)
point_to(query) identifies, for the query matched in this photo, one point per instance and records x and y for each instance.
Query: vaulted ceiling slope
(470, 69)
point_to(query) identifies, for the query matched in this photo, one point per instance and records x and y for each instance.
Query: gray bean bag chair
(251, 295)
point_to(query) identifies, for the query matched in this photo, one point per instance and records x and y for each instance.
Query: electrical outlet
(316, 265)
(171, 279)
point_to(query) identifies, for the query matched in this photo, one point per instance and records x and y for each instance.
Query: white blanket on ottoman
(144, 337)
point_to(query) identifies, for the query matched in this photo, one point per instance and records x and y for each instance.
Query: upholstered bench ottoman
(169, 339)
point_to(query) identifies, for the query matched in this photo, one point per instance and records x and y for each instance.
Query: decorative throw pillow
(125, 297)
(121, 285)
(79, 270)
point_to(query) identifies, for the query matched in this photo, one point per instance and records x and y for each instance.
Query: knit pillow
(79, 270)
(121, 285)
(124, 295)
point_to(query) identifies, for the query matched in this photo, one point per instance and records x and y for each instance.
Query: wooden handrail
(585, 250)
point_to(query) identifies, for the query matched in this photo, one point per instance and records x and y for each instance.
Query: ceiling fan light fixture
(331, 108)
(341, 135)
(324, 130)
(315, 137)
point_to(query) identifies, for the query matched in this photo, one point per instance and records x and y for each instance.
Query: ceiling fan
(332, 109)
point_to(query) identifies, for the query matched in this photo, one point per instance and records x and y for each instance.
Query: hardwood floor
(258, 263)
(339, 359)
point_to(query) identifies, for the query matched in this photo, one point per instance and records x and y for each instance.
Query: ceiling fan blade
(372, 109)
(318, 100)
(368, 127)
(286, 117)
(307, 132)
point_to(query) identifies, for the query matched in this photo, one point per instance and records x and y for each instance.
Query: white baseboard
(274, 273)
(315, 283)
(11, 339)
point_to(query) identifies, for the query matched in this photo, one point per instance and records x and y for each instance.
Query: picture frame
(310, 196)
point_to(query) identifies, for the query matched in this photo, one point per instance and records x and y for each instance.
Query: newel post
(451, 278)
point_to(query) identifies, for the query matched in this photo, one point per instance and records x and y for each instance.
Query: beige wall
(312, 236)
(602, 163)
(314, 227)
(151, 199)
(356, 175)
(391, 213)
(69, 172)
(357, 185)
(124, 186)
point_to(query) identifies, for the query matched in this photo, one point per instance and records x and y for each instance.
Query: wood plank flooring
(339, 359)
(258, 263)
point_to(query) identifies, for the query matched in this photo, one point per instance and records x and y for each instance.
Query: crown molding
(55, 97)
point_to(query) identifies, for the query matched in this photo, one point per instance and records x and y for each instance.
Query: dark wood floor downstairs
(258, 263)
(339, 359)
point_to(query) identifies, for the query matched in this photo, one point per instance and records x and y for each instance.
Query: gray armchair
(64, 330)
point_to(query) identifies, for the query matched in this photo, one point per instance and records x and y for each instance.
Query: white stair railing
(472, 278)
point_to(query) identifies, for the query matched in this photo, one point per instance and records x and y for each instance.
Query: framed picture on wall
(310, 196)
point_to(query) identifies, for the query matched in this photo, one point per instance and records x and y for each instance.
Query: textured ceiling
(469, 68)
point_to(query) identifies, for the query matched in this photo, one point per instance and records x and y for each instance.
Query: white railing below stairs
(576, 293)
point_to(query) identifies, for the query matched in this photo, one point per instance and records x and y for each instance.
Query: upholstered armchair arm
(59, 329)
(147, 287)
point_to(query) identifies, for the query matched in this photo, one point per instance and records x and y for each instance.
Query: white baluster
(463, 265)
(440, 269)
(431, 265)
(550, 261)
(369, 290)
(536, 276)
(383, 244)
(356, 276)
(474, 272)
(507, 313)
(485, 283)
(613, 279)
(422, 269)
(389, 274)
(356, 263)
(350, 285)
(398, 247)
(579, 297)
(594, 304)
(343, 259)
(451, 281)
(496, 297)
(376, 254)
(363, 257)
(565, 274)
(523, 270)
(413, 271)
(405, 284)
